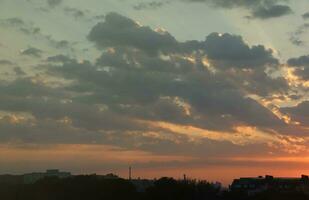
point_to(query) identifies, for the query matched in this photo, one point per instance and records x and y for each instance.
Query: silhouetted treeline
(98, 188)
(169, 188)
(75, 188)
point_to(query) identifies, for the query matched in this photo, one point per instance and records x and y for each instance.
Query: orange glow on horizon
(100, 158)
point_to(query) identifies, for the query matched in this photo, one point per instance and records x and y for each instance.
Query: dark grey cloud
(271, 12)
(59, 118)
(99, 17)
(149, 5)
(262, 9)
(306, 15)
(258, 82)
(240, 3)
(296, 37)
(149, 93)
(58, 44)
(61, 44)
(299, 113)
(32, 51)
(296, 40)
(145, 78)
(30, 29)
(13, 21)
(19, 71)
(45, 102)
(59, 58)
(300, 61)
(54, 3)
(118, 30)
(228, 49)
(26, 87)
(302, 29)
(43, 132)
(82, 116)
(76, 13)
(301, 65)
(21, 25)
(6, 62)
(231, 50)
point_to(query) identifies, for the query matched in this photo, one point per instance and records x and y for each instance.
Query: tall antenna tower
(130, 173)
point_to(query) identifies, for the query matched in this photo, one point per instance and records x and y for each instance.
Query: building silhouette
(259, 184)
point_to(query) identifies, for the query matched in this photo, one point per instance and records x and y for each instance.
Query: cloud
(231, 50)
(306, 15)
(148, 91)
(146, 86)
(300, 61)
(32, 51)
(6, 62)
(149, 5)
(59, 58)
(53, 3)
(301, 66)
(13, 21)
(271, 12)
(18, 71)
(118, 30)
(299, 113)
(22, 26)
(296, 37)
(50, 105)
(150, 77)
(76, 13)
(261, 9)
(239, 3)
(60, 44)
(29, 29)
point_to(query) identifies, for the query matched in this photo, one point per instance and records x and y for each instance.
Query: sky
(214, 89)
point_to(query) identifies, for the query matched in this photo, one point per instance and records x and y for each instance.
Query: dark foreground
(96, 188)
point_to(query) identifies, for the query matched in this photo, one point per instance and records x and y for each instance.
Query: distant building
(36, 176)
(259, 184)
